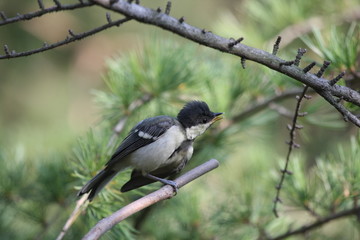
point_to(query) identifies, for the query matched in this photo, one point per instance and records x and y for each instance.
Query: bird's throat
(195, 131)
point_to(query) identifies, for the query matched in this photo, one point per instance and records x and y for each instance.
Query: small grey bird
(156, 148)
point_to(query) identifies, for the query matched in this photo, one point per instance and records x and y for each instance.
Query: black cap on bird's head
(196, 113)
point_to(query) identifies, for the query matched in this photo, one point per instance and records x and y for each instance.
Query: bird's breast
(180, 156)
(156, 154)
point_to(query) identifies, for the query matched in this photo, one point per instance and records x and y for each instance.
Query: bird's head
(196, 117)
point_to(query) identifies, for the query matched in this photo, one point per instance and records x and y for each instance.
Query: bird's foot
(173, 184)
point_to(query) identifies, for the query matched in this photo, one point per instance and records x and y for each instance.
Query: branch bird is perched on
(156, 148)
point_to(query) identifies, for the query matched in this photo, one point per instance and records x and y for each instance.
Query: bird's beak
(217, 117)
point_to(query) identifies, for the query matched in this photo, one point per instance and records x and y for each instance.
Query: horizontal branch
(163, 193)
(159, 19)
(306, 228)
(72, 38)
(41, 12)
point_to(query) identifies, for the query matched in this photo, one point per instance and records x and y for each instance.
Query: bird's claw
(174, 185)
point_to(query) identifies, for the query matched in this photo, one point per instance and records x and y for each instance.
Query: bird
(156, 148)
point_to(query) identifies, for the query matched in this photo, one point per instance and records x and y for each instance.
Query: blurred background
(58, 109)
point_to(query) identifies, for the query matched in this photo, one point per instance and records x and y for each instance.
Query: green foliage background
(49, 147)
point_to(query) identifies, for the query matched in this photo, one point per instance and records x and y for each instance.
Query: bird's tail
(97, 183)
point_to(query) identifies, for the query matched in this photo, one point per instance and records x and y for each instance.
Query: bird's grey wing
(144, 133)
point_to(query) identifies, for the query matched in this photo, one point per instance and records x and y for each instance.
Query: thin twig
(276, 45)
(299, 55)
(318, 223)
(292, 144)
(309, 67)
(57, 3)
(41, 5)
(243, 62)
(74, 215)
(68, 40)
(336, 79)
(3, 16)
(43, 11)
(163, 193)
(323, 68)
(168, 8)
(287, 63)
(235, 42)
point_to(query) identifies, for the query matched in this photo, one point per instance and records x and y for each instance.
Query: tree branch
(306, 228)
(294, 126)
(152, 17)
(163, 193)
(348, 116)
(74, 215)
(72, 38)
(43, 11)
(178, 26)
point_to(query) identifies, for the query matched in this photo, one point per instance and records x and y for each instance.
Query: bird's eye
(204, 120)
